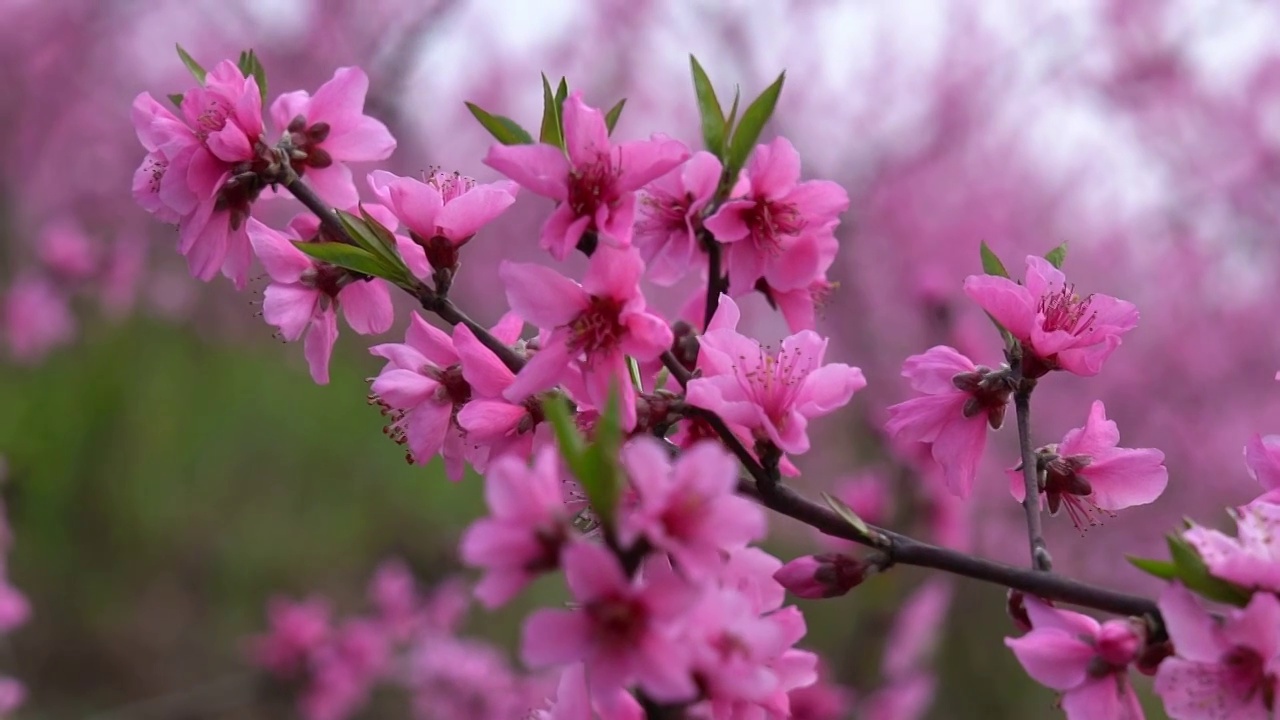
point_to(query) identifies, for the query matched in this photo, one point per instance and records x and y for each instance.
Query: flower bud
(824, 576)
(1016, 605)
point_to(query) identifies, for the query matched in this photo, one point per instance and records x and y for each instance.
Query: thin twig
(1040, 559)
(715, 277)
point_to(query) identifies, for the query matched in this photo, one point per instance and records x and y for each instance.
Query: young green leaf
(991, 264)
(615, 112)
(752, 124)
(192, 65)
(1162, 569)
(1057, 256)
(601, 478)
(733, 109)
(714, 128)
(846, 512)
(570, 441)
(1195, 575)
(384, 243)
(503, 129)
(251, 66)
(562, 92)
(552, 132)
(176, 99)
(345, 256)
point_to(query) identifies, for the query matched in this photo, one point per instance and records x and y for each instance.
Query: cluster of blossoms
(671, 607)
(409, 642)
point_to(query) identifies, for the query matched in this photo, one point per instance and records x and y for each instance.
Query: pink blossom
(297, 630)
(593, 327)
(823, 700)
(688, 508)
(330, 129)
(67, 251)
(442, 212)
(12, 695)
(345, 671)
(797, 282)
(1252, 558)
(457, 679)
(1058, 329)
(528, 523)
(670, 216)
(772, 396)
(734, 646)
(305, 294)
(1086, 661)
(1224, 669)
(822, 576)
(36, 319)
(1087, 472)
(573, 701)
(771, 217)
(593, 181)
(1262, 457)
(958, 402)
(15, 609)
(623, 630)
(489, 420)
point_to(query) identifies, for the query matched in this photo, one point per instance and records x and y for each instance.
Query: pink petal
(1042, 276)
(828, 388)
(586, 138)
(289, 106)
(540, 295)
(488, 420)
(1045, 616)
(542, 169)
(774, 168)
(1008, 302)
(417, 204)
(1123, 478)
(431, 341)
(592, 572)
(648, 336)
(1052, 658)
(543, 371)
(340, 101)
(1257, 626)
(366, 141)
(728, 224)
(318, 346)
(472, 210)
(643, 161)
(1097, 435)
(554, 637)
(481, 368)
(404, 389)
(290, 308)
(426, 429)
(334, 185)
(1262, 457)
(1109, 697)
(366, 304)
(958, 449)
(1190, 627)
(932, 372)
(562, 231)
(282, 261)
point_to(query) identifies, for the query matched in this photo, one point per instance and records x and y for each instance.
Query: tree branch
(1040, 559)
(715, 277)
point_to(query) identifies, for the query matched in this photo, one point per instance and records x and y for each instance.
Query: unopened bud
(824, 576)
(1152, 655)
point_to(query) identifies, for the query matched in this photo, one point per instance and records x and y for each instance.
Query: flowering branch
(1040, 559)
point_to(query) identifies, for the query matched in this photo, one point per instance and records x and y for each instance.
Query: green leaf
(1162, 569)
(345, 256)
(562, 92)
(751, 125)
(733, 110)
(552, 132)
(251, 66)
(601, 477)
(615, 112)
(570, 441)
(503, 129)
(1195, 575)
(176, 99)
(1057, 256)
(714, 128)
(846, 512)
(991, 264)
(383, 244)
(192, 65)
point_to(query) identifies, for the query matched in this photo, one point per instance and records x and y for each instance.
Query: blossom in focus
(423, 387)
(489, 421)
(670, 215)
(1252, 558)
(771, 216)
(328, 130)
(305, 294)
(1224, 668)
(593, 327)
(593, 181)
(1087, 472)
(688, 508)
(527, 525)
(1058, 329)
(771, 395)
(622, 629)
(958, 402)
(1086, 661)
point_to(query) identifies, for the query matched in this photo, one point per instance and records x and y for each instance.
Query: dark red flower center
(592, 186)
(620, 621)
(772, 223)
(453, 386)
(599, 327)
(1247, 675)
(1064, 310)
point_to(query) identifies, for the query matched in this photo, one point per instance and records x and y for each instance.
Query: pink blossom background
(1145, 134)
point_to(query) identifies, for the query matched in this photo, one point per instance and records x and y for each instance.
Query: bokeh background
(171, 466)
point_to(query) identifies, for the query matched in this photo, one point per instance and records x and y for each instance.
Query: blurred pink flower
(761, 226)
(593, 181)
(1087, 472)
(1058, 329)
(296, 631)
(772, 396)
(1262, 458)
(330, 129)
(67, 251)
(527, 524)
(36, 319)
(960, 401)
(305, 294)
(1086, 661)
(1252, 558)
(689, 508)
(593, 326)
(1224, 669)
(623, 629)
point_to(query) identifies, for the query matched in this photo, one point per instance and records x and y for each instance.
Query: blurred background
(171, 466)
